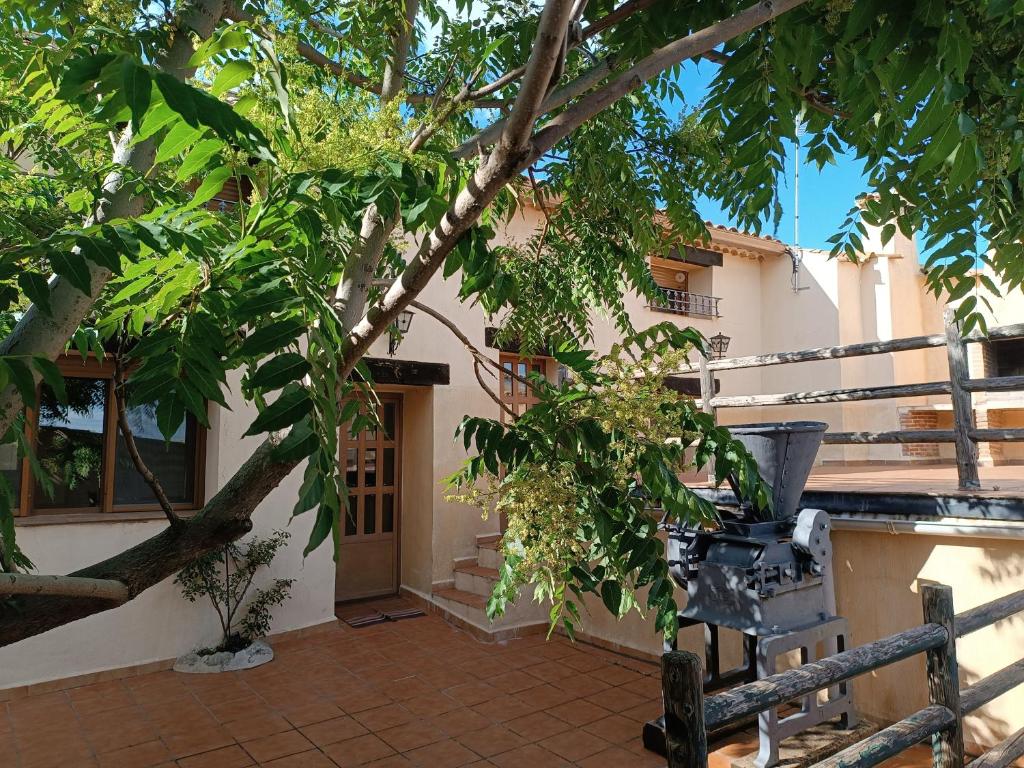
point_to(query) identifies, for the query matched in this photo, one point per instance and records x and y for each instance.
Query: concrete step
(469, 608)
(475, 578)
(488, 552)
(461, 597)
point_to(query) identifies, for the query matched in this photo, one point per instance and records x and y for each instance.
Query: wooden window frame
(73, 366)
(518, 401)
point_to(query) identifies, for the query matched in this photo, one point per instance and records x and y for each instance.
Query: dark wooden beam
(701, 257)
(688, 386)
(408, 372)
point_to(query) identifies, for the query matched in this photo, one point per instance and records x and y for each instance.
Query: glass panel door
(368, 552)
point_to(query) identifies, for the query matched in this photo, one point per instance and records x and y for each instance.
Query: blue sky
(826, 196)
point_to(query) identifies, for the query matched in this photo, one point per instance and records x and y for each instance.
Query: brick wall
(910, 419)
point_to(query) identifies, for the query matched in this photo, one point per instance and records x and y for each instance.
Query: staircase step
(463, 597)
(478, 570)
(489, 542)
(491, 559)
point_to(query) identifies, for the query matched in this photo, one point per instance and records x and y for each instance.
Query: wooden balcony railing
(685, 303)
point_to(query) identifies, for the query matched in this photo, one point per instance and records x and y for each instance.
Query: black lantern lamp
(719, 343)
(398, 330)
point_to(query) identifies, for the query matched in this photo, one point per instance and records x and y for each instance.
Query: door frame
(344, 443)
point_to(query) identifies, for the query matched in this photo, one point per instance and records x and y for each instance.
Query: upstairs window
(81, 449)
(516, 394)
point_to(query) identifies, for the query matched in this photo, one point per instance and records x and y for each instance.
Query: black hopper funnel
(784, 452)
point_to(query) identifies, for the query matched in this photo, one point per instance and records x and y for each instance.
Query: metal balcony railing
(685, 303)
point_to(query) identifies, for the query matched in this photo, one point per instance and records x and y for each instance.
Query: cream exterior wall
(160, 624)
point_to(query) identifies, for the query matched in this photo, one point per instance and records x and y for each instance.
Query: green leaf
(210, 187)
(292, 405)
(36, 288)
(231, 74)
(301, 442)
(181, 136)
(197, 158)
(611, 596)
(321, 529)
(52, 377)
(138, 89)
(71, 265)
(100, 252)
(280, 370)
(82, 72)
(170, 413)
(271, 337)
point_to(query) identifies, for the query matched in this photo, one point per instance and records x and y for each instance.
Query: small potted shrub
(225, 578)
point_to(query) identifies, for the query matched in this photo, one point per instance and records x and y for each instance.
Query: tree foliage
(358, 134)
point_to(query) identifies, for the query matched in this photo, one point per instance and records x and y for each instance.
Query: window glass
(370, 514)
(70, 444)
(173, 462)
(390, 414)
(389, 466)
(506, 380)
(370, 467)
(387, 509)
(350, 515)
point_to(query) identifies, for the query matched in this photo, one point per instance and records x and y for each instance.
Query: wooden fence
(965, 435)
(689, 715)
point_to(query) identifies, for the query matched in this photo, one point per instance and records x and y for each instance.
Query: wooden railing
(689, 716)
(686, 303)
(964, 435)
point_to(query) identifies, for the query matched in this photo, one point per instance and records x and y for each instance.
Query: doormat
(403, 613)
(377, 612)
(365, 620)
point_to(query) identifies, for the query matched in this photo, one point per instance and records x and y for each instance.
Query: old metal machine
(767, 576)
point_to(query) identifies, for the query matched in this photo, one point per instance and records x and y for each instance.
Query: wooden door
(368, 553)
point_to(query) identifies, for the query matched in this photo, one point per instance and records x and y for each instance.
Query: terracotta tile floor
(395, 695)
(412, 693)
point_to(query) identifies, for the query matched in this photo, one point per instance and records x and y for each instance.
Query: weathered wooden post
(963, 409)
(944, 677)
(682, 686)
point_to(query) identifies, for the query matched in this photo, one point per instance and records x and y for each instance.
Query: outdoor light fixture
(398, 329)
(719, 343)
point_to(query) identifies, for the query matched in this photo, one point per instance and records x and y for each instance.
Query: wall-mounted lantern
(398, 330)
(719, 343)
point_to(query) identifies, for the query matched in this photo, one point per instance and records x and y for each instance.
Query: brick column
(911, 419)
(989, 454)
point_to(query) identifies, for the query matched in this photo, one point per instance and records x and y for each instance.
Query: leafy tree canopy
(363, 126)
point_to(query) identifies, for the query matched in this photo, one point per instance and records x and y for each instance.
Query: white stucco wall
(160, 624)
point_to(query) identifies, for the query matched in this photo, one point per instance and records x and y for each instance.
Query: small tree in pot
(225, 578)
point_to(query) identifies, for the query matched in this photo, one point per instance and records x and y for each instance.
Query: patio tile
(358, 751)
(310, 714)
(578, 712)
(514, 681)
(581, 685)
(248, 729)
(574, 745)
(616, 699)
(616, 757)
(100, 697)
(615, 728)
(538, 725)
(472, 693)
(504, 708)
(403, 738)
(334, 730)
(184, 744)
(391, 761)
(278, 745)
(314, 758)
(431, 705)
(545, 696)
(531, 756)
(225, 757)
(460, 721)
(384, 717)
(442, 754)
(138, 756)
(491, 741)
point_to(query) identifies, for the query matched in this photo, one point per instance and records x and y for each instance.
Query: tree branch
(65, 586)
(545, 57)
(43, 335)
(695, 44)
(133, 450)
